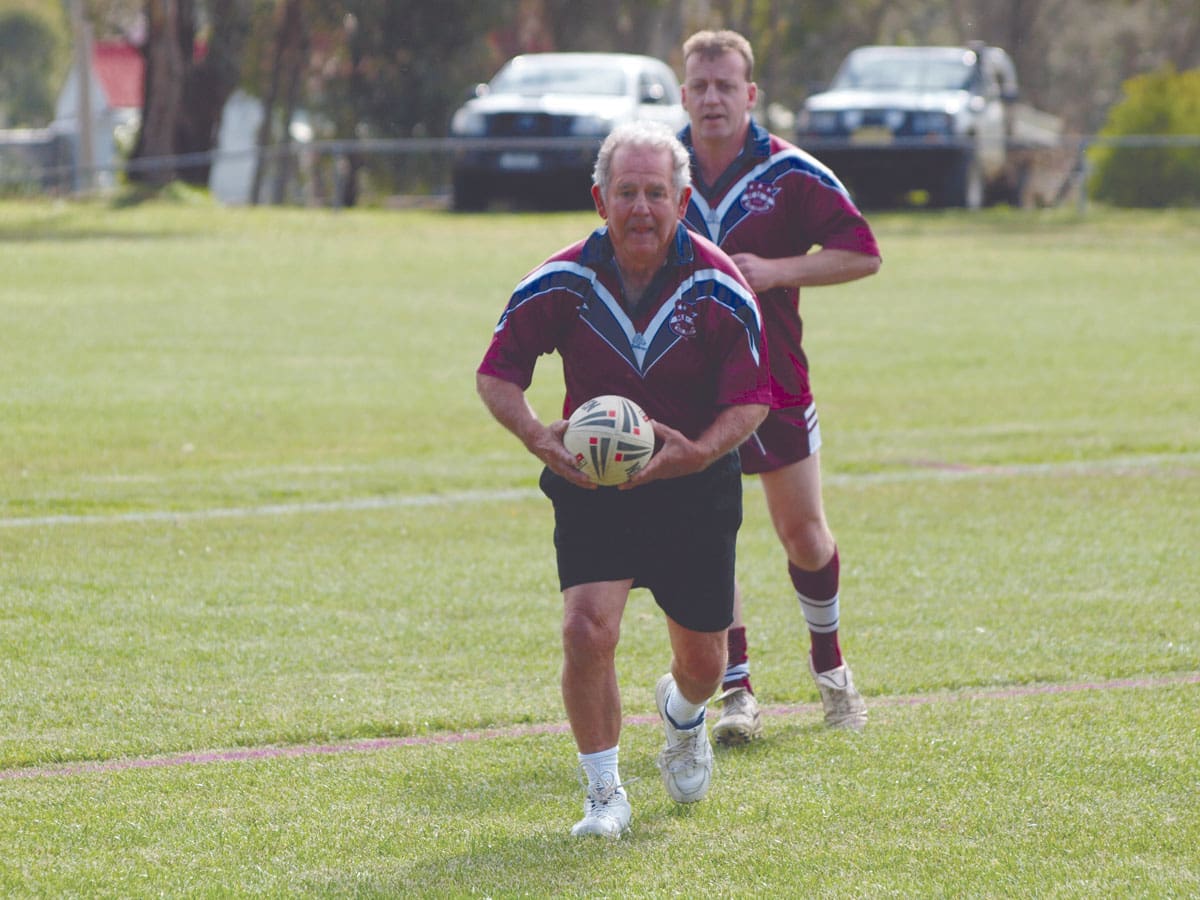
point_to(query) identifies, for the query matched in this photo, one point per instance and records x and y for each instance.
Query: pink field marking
(374, 745)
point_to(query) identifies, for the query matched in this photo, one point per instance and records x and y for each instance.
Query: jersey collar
(598, 249)
(756, 148)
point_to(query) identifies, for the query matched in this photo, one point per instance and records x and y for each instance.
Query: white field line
(278, 509)
(933, 472)
(375, 745)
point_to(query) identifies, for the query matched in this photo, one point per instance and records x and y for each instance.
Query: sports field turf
(278, 613)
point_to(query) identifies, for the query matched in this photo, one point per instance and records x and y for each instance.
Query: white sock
(684, 714)
(601, 768)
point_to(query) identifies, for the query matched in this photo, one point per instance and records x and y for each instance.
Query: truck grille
(528, 125)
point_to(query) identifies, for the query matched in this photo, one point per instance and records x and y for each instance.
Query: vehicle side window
(993, 84)
(1006, 74)
(976, 84)
(670, 86)
(651, 89)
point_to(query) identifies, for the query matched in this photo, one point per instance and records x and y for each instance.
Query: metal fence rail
(34, 162)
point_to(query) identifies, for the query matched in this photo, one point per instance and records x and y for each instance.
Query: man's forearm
(827, 267)
(508, 404)
(731, 428)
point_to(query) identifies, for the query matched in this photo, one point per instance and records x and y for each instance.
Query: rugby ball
(611, 439)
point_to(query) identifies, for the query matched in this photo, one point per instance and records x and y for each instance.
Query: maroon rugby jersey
(693, 346)
(774, 201)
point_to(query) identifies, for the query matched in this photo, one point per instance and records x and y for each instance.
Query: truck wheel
(963, 184)
(470, 194)
(870, 195)
(1015, 194)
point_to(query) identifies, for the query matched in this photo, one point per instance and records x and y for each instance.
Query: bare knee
(586, 636)
(699, 670)
(809, 543)
(706, 674)
(794, 499)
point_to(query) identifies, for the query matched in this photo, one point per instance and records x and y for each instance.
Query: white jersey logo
(759, 197)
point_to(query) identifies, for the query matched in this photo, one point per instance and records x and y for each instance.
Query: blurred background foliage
(398, 68)
(1163, 103)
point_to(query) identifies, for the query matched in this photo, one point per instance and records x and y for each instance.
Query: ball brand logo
(624, 419)
(759, 197)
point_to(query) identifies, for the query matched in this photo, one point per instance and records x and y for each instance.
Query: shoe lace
(686, 754)
(843, 704)
(600, 786)
(735, 701)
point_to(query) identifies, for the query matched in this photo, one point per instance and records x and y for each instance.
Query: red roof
(120, 68)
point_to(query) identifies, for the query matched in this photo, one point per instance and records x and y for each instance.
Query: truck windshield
(904, 73)
(534, 79)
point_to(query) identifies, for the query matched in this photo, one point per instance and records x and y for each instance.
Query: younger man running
(767, 204)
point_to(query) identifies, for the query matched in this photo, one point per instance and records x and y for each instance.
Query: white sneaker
(606, 812)
(844, 705)
(740, 721)
(686, 762)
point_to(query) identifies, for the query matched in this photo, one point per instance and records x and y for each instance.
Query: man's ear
(684, 196)
(598, 199)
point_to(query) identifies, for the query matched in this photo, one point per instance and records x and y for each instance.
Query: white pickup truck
(944, 121)
(532, 133)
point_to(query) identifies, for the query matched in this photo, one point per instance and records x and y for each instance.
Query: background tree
(214, 73)
(116, 19)
(393, 69)
(288, 58)
(31, 54)
(654, 27)
(167, 21)
(189, 76)
(1072, 55)
(1163, 103)
(398, 68)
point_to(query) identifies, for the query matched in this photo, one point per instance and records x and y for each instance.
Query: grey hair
(649, 135)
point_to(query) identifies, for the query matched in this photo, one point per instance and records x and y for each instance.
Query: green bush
(1164, 102)
(29, 49)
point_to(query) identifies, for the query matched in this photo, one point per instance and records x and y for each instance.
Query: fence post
(85, 159)
(1081, 167)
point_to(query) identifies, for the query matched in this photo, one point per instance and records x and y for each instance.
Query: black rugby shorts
(676, 537)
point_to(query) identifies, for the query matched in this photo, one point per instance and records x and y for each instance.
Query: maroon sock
(818, 592)
(737, 669)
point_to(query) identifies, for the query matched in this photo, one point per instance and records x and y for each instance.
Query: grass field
(278, 613)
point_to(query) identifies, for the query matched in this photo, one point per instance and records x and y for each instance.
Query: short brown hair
(711, 44)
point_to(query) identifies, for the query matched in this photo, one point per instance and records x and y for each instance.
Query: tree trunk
(287, 32)
(209, 83)
(163, 98)
(1183, 46)
(296, 58)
